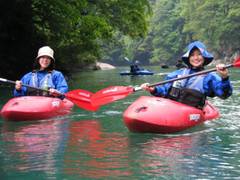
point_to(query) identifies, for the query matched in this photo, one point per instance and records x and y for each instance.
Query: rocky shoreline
(104, 66)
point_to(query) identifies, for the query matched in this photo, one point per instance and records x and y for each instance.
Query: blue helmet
(202, 48)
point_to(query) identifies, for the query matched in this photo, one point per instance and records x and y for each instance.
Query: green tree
(175, 23)
(214, 22)
(166, 34)
(75, 29)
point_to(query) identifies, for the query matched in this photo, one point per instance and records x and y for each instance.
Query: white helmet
(45, 51)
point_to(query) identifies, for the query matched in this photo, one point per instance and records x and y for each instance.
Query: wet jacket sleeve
(214, 85)
(162, 91)
(25, 80)
(60, 82)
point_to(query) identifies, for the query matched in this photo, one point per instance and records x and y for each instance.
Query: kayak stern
(28, 108)
(160, 115)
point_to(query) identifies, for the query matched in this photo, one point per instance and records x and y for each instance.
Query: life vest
(45, 83)
(188, 91)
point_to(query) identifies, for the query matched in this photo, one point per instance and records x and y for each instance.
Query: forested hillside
(75, 29)
(83, 31)
(175, 23)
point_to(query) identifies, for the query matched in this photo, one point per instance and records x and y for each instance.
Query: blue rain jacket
(36, 79)
(210, 85)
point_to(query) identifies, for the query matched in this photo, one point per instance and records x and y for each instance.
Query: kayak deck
(160, 115)
(28, 108)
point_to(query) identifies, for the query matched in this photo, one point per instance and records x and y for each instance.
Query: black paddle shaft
(13, 82)
(188, 76)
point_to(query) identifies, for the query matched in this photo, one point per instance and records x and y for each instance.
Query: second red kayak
(27, 108)
(161, 115)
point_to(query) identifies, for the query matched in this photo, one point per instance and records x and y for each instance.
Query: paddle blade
(82, 99)
(236, 63)
(110, 94)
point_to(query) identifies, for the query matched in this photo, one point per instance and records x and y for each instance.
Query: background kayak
(140, 72)
(160, 115)
(29, 108)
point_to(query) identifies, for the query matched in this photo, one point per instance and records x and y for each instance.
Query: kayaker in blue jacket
(134, 67)
(43, 76)
(193, 91)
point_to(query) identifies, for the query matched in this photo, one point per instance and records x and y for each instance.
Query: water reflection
(160, 156)
(105, 149)
(29, 147)
(91, 153)
(186, 156)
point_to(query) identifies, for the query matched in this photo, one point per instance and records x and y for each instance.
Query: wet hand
(18, 85)
(54, 92)
(146, 87)
(222, 70)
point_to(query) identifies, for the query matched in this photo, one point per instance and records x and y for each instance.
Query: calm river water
(97, 145)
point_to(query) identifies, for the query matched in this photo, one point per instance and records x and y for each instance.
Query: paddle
(126, 59)
(113, 93)
(80, 97)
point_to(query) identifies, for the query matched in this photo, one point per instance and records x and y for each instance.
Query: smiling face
(196, 59)
(44, 62)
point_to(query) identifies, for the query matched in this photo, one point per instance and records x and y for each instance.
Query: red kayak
(160, 115)
(27, 108)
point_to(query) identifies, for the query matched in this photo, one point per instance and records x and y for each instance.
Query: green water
(97, 145)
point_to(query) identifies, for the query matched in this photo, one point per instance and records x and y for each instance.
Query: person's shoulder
(177, 72)
(174, 74)
(213, 76)
(28, 74)
(57, 73)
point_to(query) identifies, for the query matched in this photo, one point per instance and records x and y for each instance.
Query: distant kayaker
(134, 67)
(193, 91)
(43, 76)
